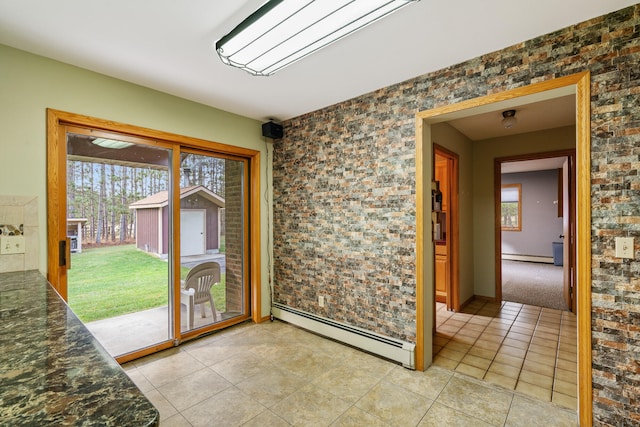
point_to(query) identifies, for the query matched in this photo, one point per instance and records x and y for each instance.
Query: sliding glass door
(212, 230)
(119, 219)
(149, 238)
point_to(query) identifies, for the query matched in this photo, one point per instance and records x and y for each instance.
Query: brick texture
(344, 195)
(234, 236)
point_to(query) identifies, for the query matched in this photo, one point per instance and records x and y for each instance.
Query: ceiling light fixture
(284, 31)
(509, 119)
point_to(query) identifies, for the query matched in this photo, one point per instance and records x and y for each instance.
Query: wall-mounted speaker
(272, 130)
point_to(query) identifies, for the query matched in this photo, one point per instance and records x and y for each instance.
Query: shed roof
(161, 198)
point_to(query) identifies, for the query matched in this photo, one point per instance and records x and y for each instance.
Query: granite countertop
(52, 370)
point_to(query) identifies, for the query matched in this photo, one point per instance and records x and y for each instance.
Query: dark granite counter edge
(52, 370)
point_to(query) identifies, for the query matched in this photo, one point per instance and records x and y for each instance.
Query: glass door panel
(212, 240)
(119, 225)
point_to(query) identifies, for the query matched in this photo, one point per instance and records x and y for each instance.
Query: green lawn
(114, 280)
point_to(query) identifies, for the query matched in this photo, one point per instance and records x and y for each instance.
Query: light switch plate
(11, 245)
(624, 247)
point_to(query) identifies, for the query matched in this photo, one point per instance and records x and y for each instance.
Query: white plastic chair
(197, 289)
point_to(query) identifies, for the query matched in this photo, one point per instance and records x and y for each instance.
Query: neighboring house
(199, 219)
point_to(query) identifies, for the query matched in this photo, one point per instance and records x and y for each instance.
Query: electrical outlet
(321, 300)
(11, 245)
(624, 247)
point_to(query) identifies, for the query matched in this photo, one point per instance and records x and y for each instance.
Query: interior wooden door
(447, 250)
(442, 278)
(442, 176)
(568, 213)
(442, 268)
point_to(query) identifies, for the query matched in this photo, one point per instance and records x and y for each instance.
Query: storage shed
(200, 225)
(74, 233)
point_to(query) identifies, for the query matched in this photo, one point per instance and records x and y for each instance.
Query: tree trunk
(101, 205)
(123, 203)
(113, 206)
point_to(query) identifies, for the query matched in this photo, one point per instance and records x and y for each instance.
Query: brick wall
(344, 194)
(234, 236)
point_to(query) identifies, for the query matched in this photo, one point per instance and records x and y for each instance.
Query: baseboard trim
(483, 298)
(467, 302)
(529, 258)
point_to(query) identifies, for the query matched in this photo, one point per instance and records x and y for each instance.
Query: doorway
(132, 185)
(446, 228)
(535, 253)
(579, 85)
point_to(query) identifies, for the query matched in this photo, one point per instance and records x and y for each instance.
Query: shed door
(192, 232)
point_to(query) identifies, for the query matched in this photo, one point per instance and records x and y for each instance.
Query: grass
(114, 280)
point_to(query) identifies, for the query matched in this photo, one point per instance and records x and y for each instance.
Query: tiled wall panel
(344, 194)
(16, 211)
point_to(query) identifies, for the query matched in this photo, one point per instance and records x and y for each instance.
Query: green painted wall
(448, 137)
(29, 84)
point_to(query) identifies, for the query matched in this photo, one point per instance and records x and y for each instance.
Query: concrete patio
(123, 334)
(129, 332)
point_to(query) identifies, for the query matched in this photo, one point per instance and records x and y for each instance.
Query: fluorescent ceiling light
(284, 31)
(111, 143)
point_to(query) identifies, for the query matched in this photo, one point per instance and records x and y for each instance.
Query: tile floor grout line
(436, 398)
(511, 410)
(502, 344)
(499, 347)
(539, 317)
(555, 365)
(502, 341)
(453, 374)
(553, 377)
(527, 352)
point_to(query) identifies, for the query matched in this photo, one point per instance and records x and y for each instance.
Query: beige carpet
(533, 283)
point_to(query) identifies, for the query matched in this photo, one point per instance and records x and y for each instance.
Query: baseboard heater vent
(529, 258)
(390, 348)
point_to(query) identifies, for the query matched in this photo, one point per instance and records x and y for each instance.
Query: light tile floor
(520, 347)
(274, 374)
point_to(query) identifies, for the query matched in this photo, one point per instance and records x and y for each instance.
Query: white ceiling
(167, 45)
(533, 165)
(548, 114)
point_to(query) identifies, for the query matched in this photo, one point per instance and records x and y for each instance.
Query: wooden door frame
(497, 177)
(57, 121)
(453, 226)
(578, 84)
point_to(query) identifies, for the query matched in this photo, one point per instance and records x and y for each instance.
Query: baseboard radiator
(390, 348)
(529, 258)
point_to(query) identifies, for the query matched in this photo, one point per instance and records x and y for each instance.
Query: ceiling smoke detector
(509, 119)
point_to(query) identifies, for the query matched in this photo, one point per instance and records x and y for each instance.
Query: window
(511, 207)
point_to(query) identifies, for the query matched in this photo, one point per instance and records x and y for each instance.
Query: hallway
(533, 283)
(520, 347)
